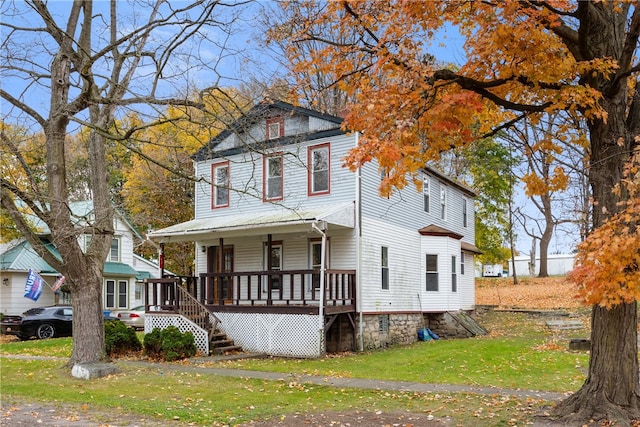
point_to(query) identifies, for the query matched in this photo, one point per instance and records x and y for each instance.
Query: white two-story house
(123, 273)
(297, 255)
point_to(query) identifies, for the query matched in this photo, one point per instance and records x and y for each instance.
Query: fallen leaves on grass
(547, 293)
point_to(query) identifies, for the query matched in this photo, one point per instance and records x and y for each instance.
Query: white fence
(557, 265)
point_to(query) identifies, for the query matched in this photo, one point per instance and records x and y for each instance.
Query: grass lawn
(520, 352)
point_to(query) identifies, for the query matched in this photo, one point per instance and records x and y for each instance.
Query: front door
(223, 286)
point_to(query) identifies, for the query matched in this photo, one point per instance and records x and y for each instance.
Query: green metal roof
(118, 268)
(23, 257)
(143, 275)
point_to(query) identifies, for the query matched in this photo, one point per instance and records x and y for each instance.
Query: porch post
(161, 260)
(220, 269)
(323, 265)
(269, 267)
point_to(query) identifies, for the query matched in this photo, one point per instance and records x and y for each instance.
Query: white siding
(406, 207)
(404, 278)
(444, 298)
(466, 283)
(12, 299)
(246, 180)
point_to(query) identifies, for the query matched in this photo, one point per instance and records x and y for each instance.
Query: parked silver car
(133, 317)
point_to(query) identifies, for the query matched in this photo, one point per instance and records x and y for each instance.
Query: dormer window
(275, 127)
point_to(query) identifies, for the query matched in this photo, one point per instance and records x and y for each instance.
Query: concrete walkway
(195, 366)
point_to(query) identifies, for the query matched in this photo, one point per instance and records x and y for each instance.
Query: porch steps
(220, 344)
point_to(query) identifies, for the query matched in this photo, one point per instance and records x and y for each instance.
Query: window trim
(443, 202)
(465, 213)
(215, 188)
(310, 171)
(116, 294)
(118, 250)
(279, 120)
(462, 263)
(266, 178)
(433, 272)
(384, 267)
(454, 274)
(426, 194)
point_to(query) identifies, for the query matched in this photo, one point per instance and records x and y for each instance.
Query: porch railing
(286, 287)
(277, 288)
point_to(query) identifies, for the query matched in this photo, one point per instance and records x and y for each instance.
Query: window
(275, 127)
(384, 261)
(462, 263)
(273, 177)
(114, 252)
(383, 324)
(454, 275)
(426, 192)
(273, 262)
(315, 259)
(464, 212)
(138, 291)
(116, 295)
(443, 203)
(87, 242)
(432, 273)
(220, 188)
(122, 293)
(319, 164)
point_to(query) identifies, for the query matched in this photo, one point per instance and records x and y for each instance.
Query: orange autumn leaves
(607, 268)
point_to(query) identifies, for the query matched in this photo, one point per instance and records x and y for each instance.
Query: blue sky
(233, 58)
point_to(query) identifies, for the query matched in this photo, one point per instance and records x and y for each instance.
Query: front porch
(289, 291)
(278, 312)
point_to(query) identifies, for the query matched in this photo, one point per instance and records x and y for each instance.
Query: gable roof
(260, 111)
(23, 257)
(81, 212)
(450, 181)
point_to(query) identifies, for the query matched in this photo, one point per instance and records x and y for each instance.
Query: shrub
(169, 344)
(153, 343)
(119, 338)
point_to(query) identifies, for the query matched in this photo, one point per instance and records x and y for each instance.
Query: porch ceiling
(283, 221)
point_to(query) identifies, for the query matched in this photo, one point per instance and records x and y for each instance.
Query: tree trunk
(547, 233)
(611, 390)
(88, 323)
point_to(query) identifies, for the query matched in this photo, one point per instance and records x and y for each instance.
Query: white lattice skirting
(293, 335)
(161, 321)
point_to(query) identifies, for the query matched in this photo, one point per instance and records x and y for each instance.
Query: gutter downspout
(359, 253)
(323, 267)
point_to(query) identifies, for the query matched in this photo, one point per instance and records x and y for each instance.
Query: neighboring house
(123, 274)
(272, 193)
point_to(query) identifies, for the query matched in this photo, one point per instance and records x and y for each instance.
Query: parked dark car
(42, 322)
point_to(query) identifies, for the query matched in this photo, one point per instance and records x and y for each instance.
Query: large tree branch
(482, 89)
(22, 106)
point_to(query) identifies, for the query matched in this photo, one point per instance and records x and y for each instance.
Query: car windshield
(138, 308)
(33, 311)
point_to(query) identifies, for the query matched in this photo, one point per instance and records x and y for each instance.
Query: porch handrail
(193, 310)
(170, 296)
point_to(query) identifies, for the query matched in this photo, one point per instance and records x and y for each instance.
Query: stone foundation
(383, 330)
(453, 325)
